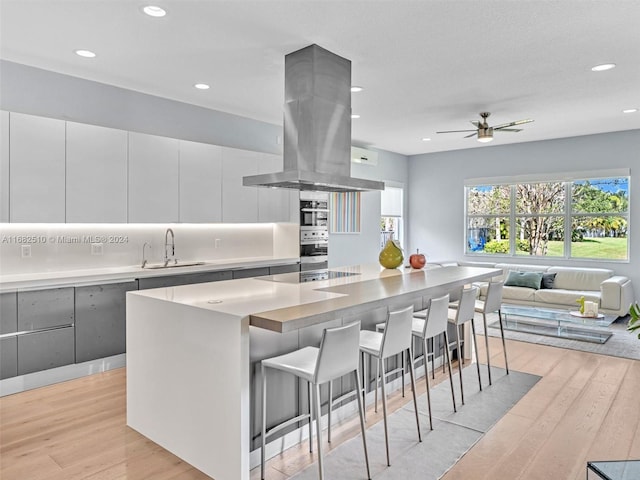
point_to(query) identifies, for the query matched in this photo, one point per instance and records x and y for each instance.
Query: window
(532, 217)
(391, 219)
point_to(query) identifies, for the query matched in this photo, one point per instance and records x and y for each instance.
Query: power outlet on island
(96, 249)
(217, 243)
(25, 251)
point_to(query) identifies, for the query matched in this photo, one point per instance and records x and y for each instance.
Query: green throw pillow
(524, 279)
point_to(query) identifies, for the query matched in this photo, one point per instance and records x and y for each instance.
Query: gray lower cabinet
(48, 317)
(100, 320)
(47, 349)
(250, 272)
(294, 267)
(8, 343)
(8, 357)
(184, 279)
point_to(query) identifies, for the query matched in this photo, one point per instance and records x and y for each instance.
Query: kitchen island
(191, 350)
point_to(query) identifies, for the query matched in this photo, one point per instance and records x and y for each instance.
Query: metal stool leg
(362, 428)
(504, 344)
(413, 389)
(329, 411)
(460, 363)
(426, 379)
(448, 354)
(486, 344)
(384, 412)
(318, 412)
(264, 421)
(475, 346)
(310, 417)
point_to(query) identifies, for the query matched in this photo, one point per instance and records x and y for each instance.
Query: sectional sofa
(613, 293)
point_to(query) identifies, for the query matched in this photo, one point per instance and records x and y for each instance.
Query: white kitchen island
(189, 348)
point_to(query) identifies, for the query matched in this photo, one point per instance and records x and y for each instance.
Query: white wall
(436, 190)
(351, 249)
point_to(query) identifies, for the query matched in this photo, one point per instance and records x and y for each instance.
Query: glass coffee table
(614, 470)
(556, 323)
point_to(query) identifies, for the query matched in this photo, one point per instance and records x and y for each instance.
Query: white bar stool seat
(337, 356)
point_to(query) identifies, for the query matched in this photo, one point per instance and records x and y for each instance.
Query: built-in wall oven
(314, 231)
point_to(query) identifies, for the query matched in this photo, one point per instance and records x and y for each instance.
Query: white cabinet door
(96, 174)
(4, 167)
(200, 182)
(153, 179)
(37, 169)
(273, 203)
(239, 203)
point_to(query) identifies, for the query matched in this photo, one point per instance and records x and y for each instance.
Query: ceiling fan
(485, 132)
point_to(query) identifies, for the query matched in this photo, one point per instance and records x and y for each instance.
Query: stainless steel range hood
(317, 126)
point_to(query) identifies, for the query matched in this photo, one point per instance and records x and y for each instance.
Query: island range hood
(317, 126)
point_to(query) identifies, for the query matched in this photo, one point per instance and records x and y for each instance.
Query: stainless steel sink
(155, 266)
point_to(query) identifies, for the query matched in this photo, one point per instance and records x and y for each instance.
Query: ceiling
(425, 65)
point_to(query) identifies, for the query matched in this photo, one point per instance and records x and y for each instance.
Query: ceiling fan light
(485, 135)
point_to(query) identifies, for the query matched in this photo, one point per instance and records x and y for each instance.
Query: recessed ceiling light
(202, 86)
(356, 88)
(630, 110)
(154, 11)
(603, 67)
(426, 139)
(85, 53)
(355, 116)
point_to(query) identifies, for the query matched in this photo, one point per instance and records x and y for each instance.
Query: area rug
(622, 343)
(452, 436)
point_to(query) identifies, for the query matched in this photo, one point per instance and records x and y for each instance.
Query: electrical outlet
(96, 249)
(25, 251)
(217, 243)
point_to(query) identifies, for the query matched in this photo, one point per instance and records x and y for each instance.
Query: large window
(576, 218)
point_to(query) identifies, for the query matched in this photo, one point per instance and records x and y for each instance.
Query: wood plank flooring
(585, 407)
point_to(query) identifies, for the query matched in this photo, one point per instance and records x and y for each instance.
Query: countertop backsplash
(39, 247)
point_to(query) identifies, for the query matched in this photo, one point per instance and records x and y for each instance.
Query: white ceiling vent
(365, 157)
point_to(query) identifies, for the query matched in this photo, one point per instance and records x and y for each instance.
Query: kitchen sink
(155, 266)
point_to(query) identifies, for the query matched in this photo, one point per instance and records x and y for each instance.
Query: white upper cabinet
(96, 174)
(153, 179)
(239, 203)
(273, 203)
(4, 167)
(200, 182)
(36, 169)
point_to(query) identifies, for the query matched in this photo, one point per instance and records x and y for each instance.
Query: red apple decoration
(417, 260)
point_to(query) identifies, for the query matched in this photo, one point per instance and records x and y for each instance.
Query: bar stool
(395, 339)
(338, 355)
(433, 325)
(492, 303)
(458, 317)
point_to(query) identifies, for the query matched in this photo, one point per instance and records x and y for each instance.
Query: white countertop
(94, 276)
(281, 306)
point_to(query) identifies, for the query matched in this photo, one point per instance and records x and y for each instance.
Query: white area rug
(453, 434)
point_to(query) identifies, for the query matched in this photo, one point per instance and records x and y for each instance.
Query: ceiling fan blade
(511, 124)
(475, 122)
(510, 129)
(472, 135)
(456, 131)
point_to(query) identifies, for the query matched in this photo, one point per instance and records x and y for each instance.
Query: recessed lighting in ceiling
(630, 110)
(603, 67)
(426, 139)
(202, 86)
(154, 11)
(355, 115)
(85, 53)
(356, 88)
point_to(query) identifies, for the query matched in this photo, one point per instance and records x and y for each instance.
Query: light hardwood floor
(585, 407)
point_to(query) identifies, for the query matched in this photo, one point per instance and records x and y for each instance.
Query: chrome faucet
(144, 259)
(167, 245)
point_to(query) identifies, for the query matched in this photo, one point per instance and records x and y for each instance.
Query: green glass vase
(391, 255)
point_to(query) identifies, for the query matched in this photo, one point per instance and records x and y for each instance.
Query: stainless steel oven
(314, 231)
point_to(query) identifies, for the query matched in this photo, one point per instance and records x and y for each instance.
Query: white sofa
(613, 293)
